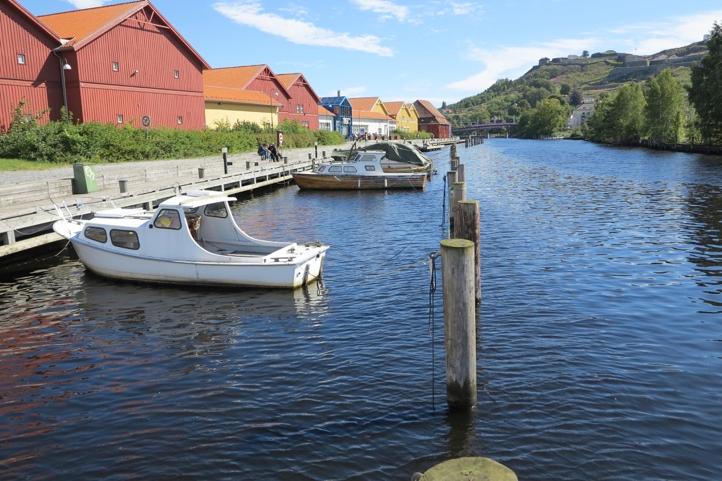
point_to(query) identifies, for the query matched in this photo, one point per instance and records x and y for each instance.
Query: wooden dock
(27, 210)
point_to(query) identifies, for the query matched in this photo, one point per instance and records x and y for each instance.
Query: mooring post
(467, 225)
(450, 181)
(459, 322)
(458, 193)
(452, 151)
(455, 163)
(460, 173)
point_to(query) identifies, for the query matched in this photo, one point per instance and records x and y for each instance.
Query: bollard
(201, 172)
(323, 153)
(123, 185)
(460, 173)
(248, 165)
(310, 156)
(458, 193)
(459, 322)
(467, 225)
(468, 469)
(285, 159)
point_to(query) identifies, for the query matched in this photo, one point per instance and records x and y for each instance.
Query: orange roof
(237, 96)
(324, 111)
(367, 114)
(236, 77)
(76, 25)
(80, 27)
(393, 108)
(287, 79)
(363, 103)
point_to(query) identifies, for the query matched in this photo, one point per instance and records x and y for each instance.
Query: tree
(564, 89)
(665, 109)
(585, 54)
(626, 116)
(544, 120)
(443, 104)
(576, 98)
(706, 91)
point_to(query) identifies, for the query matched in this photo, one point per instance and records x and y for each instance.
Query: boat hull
(128, 267)
(312, 181)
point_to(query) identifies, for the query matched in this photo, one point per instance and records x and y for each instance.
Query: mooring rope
(432, 319)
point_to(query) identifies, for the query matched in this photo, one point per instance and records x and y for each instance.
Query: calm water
(600, 349)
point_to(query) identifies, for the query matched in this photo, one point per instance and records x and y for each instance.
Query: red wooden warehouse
(127, 65)
(431, 120)
(303, 104)
(29, 71)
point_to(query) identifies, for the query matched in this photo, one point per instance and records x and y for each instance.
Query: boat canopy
(197, 198)
(399, 152)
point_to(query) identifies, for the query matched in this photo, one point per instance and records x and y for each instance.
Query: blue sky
(434, 49)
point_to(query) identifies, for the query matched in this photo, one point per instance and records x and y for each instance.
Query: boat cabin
(365, 163)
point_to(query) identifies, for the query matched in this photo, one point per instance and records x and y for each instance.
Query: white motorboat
(189, 239)
(362, 171)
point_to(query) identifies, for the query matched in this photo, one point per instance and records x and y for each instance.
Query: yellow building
(229, 105)
(406, 116)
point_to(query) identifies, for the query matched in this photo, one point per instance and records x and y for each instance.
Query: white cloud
(651, 37)
(464, 8)
(511, 62)
(386, 8)
(298, 31)
(87, 3)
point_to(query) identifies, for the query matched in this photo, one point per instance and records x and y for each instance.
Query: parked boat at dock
(189, 239)
(399, 158)
(363, 171)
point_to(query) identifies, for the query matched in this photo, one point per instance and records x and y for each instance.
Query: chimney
(338, 93)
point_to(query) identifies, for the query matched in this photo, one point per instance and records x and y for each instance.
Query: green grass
(18, 164)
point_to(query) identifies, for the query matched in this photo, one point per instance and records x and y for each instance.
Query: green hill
(570, 79)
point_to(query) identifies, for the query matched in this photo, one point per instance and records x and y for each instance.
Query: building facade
(29, 72)
(325, 119)
(342, 111)
(431, 120)
(303, 105)
(127, 65)
(405, 115)
(226, 107)
(371, 117)
(254, 78)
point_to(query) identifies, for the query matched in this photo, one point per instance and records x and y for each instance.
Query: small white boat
(189, 239)
(362, 171)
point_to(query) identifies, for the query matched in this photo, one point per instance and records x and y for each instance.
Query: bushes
(64, 141)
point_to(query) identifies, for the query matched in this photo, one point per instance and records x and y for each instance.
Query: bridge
(478, 129)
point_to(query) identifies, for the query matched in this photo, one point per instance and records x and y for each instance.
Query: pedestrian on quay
(274, 153)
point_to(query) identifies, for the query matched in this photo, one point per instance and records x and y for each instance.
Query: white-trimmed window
(21, 59)
(299, 108)
(119, 118)
(179, 120)
(115, 66)
(176, 74)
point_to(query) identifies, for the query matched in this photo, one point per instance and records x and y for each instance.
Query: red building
(29, 71)
(251, 77)
(431, 120)
(128, 65)
(303, 104)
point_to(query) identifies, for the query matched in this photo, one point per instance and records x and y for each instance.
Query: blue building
(343, 115)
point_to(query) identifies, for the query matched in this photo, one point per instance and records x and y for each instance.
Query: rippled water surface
(600, 342)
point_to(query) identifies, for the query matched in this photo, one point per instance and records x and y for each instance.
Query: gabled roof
(80, 27)
(289, 79)
(427, 110)
(364, 103)
(393, 108)
(238, 96)
(34, 20)
(239, 77)
(333, 101)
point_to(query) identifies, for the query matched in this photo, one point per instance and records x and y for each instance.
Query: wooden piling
(452, 151)
(458, 194)
(467, 225)
(459, 322)
(460, 173)
(455, 163)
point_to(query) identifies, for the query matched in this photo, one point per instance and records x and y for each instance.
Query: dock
(27, 209)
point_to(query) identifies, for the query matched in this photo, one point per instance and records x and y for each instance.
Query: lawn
(17, 164)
